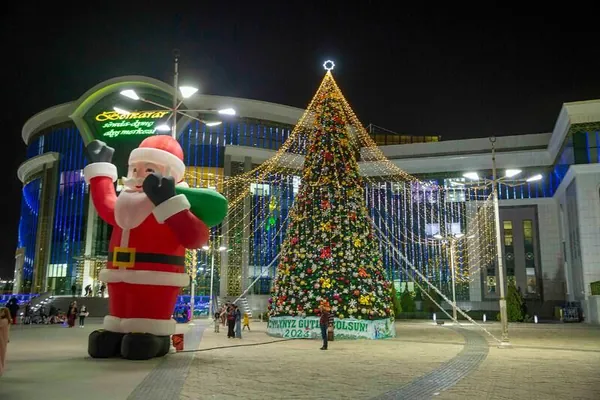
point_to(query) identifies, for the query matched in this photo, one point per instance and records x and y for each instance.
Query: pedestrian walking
(13, 308)
(72, 314)
(5, 321)
(230, 322)
(324, 322)
(238, 323)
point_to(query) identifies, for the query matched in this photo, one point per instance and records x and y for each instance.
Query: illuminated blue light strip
(598, 146)
(28, 225)
(588, 148)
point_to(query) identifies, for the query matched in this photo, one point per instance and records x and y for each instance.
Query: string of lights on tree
(405, 207)
(329, 254)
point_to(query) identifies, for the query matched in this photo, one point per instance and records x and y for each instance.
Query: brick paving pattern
(448, 374)
(297, 369)
(167, 379)
(546, 362)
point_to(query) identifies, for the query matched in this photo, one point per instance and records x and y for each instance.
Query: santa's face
(138, 171)
(133, 206)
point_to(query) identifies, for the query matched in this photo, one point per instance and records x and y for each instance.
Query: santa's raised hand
(98, 151)
(159, 188)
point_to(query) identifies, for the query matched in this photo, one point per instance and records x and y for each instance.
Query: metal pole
(194, 271)
(212, 271)
(500, 261)
(175, 84)
(452, 267)
(193, 293)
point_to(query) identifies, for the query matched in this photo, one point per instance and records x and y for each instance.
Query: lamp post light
(499, 259)
(451, 239)
(509, 175)
(186, 92)
(212, 272)
(193, 282)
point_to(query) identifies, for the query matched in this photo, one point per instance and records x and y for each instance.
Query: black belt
(130, 258)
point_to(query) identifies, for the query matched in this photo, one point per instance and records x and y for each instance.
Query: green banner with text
(348, 328)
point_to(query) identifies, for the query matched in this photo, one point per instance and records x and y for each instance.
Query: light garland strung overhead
(401, 205)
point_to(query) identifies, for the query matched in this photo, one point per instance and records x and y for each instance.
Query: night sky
(459, 77)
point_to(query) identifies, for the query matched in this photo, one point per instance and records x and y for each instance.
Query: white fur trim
(159, 327)
(175, 204)
(160, 157)
(134, 277)
(112, 324)
(99, 169)
(183, 184)
(182, 329)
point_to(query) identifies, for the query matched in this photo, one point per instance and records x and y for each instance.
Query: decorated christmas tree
(331, 253)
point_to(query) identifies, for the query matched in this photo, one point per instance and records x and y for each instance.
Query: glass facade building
(64, 242)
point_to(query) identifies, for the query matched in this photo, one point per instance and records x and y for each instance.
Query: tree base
(347, 328)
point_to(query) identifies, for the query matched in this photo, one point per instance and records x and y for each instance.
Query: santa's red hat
(161, 150)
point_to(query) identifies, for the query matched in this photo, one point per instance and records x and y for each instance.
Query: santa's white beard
(132, 208)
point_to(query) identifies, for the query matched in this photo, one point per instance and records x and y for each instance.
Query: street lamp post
(194, 267)
(508, 178)
(193, 292)
(212, 273)
(175, 86)
(502, 302)
(212, 277)
(185, 92)
(453, 268)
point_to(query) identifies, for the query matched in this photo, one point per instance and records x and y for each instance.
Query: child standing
(5, 321)
(246, 321)
(217, 320)
(82, 314)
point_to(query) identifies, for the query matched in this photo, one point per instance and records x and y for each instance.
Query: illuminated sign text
(113, 124)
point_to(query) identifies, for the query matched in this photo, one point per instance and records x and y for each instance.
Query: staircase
(242, 303)
(41, 300)
(96, 306)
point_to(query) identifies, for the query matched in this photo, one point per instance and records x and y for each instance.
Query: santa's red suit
(145, 268)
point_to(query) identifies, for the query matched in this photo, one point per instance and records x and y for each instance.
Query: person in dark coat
(13, 307)
(230, 322)
(72, 314)
(324, 323)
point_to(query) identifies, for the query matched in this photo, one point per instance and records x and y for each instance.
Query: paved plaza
(558, 361)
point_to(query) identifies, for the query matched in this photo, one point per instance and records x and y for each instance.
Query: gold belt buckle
(124, 264)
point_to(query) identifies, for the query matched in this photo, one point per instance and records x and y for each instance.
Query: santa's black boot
(104, 344)
(164, 345)
(139, 346)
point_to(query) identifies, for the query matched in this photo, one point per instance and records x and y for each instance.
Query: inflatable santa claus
(154, 218)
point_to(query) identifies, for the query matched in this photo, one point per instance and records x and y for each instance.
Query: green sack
(208, 205)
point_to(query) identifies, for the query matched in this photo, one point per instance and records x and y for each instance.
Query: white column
(89, 241)
(18, 277)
